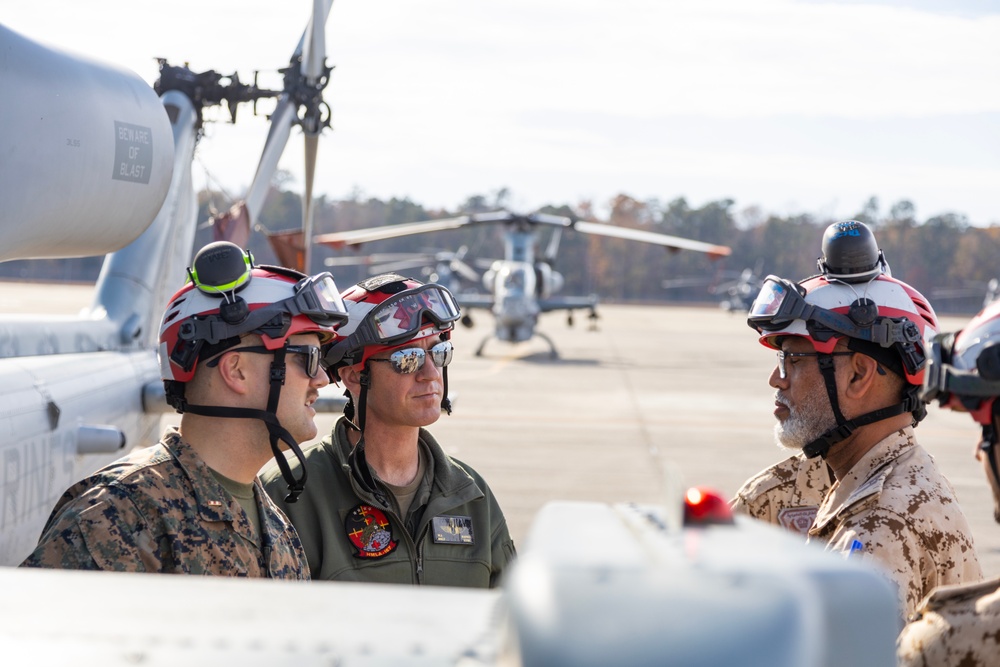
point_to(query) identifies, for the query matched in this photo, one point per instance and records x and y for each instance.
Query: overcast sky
(792, 106)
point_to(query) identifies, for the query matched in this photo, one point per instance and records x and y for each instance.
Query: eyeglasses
(782, 355)
(309, 353)
(411, 359)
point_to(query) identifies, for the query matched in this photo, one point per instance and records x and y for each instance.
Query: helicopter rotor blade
(277, 136)
(314, 43)
(311, 145)
(309, 57)
(553, 248)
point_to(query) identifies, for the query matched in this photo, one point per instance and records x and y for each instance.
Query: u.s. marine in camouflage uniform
(162, 510)
(192, 504)
(896, 506)
(787, 494)
(852, 345)
(960, 625)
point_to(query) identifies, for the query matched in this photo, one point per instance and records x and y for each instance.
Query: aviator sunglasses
(411, 359)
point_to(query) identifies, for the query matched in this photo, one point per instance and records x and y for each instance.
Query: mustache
(780, 398)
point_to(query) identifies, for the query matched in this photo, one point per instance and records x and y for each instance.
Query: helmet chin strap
(845, 427)
(275, 430)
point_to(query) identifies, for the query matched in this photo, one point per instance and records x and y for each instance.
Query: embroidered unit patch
(370, 532)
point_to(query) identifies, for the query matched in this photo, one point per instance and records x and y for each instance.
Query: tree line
(942, 256)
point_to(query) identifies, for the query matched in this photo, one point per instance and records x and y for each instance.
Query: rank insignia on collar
(453, 530)
(370, 532)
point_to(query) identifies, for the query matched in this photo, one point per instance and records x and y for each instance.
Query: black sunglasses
(309, 353)
(411, 359)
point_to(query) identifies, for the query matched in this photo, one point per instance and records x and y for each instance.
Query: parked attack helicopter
(444, 267)
(521, 286)
(679, 584)
(738, 293)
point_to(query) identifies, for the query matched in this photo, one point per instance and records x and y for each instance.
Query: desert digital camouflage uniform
(787, 494)
(954, 625)
(160, 509)
(896, 506)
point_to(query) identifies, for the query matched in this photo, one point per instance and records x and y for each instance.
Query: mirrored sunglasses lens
(441, 354)
(407, 361)
(781, 365)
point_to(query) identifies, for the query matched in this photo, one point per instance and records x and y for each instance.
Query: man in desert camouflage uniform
(191, 504)
(851, 357)
(960, 625)
(787, 494)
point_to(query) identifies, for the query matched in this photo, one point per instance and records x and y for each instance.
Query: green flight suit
(453, 535)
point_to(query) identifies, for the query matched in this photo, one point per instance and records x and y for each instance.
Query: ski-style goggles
(315, 297)
(781, 302)
(400, 317)
(318, 298)
(310, 355)
(411, 359)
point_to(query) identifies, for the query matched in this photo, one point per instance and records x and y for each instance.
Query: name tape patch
(453, 530)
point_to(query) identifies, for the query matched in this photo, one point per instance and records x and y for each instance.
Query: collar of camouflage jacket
(866, 477)
(214, 502)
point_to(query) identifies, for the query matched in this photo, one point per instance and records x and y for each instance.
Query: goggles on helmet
(948, 384)
(315, 297)
(781, 301)
(399, 318)
(411, 359)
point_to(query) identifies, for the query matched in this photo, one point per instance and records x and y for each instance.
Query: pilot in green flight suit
(384, 502)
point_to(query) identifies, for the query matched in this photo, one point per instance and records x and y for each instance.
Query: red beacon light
(704, 506)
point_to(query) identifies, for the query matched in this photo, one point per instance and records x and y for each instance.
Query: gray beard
(804, 424)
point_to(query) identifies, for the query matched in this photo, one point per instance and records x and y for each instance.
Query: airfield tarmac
(654, 388)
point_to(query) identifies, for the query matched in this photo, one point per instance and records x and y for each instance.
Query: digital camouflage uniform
(954, 625)
(787, 494)
(454, 533)
(160, 509)
(897, 507)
